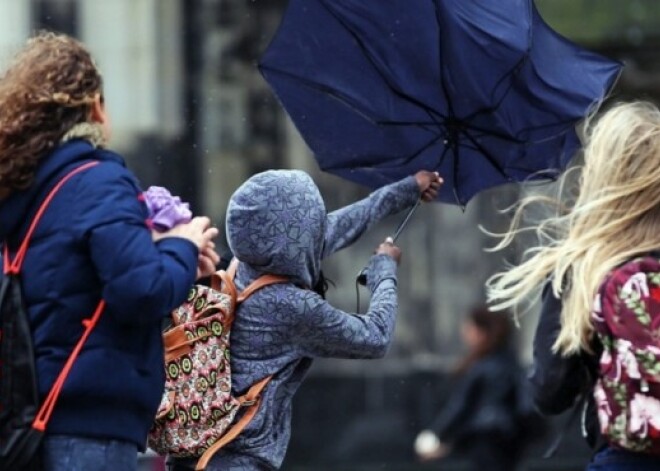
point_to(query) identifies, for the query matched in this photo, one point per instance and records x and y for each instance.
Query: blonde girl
(609, 217)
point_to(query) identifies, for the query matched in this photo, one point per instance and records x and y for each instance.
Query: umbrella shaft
(405, 221)
(362, 276)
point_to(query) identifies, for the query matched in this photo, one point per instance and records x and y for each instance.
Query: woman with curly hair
(594, 250)
(93, 242)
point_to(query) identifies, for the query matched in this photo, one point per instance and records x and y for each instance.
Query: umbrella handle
(362, 276)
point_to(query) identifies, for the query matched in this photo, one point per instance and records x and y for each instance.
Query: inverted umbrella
(483, 92)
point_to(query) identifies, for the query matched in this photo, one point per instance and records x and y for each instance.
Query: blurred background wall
(191, 112)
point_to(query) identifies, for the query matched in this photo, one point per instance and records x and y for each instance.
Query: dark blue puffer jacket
(93, 242)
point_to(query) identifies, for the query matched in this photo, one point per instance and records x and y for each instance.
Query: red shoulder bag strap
(14, 268)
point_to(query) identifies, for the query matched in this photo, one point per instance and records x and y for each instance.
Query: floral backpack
(196, 414)
(626, 317)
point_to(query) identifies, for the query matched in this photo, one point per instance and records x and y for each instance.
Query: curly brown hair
(48, 88)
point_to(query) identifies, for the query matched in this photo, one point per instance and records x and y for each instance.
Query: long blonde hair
(614, 216)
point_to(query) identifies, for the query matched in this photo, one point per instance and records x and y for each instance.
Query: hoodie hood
(276, 224)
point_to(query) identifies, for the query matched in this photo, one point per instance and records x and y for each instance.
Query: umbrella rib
(345, 100)
(408, 123)
(431, 126)
(492, 108)
(324, 89)
(565, 124)
(486, 132)
(422, 149)
(445, 92)
(334, 94)
(400, 93)
(459, 123)
(455, 176)
(442, 157)
(464, 121)
(407, 159)
(485, 153)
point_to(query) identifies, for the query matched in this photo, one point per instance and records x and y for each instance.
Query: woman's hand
(429, 183)
(208, 261)
(428, 447)
(388, 248)
(198, 231)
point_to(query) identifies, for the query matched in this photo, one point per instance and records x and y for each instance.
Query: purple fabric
(165, 210)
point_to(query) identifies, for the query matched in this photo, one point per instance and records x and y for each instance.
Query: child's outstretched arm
(347, 224)
(322, 330)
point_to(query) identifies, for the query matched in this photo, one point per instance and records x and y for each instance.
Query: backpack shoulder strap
(42, 418)
(233, 267)
(251, 399)
(259, 283)
(14, 267)
(223, 281)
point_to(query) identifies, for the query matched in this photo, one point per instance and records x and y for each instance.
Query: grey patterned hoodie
(277, 223)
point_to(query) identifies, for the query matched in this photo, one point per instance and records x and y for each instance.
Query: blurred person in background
(481, 421)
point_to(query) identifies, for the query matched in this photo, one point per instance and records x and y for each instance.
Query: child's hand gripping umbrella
(429, 184)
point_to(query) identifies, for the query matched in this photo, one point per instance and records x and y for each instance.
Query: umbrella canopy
(483, 92)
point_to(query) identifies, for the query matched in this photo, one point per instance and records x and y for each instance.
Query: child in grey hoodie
(277, 224)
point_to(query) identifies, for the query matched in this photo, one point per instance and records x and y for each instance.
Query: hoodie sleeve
(325, 331)
(347, 224)
(138, 276)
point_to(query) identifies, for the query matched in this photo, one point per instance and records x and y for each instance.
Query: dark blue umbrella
(482, 91)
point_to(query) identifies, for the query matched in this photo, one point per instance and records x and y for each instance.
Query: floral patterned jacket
(626, 316)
